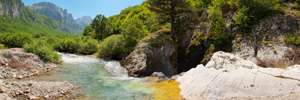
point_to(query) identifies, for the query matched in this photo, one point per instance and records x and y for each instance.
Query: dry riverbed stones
(35, 90)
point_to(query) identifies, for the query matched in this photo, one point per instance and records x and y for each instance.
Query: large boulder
(222, 60)
(150, 56)
(228, 76)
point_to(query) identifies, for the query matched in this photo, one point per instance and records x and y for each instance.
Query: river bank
(16, 64)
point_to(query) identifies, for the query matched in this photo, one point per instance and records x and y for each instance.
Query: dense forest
(116, 36)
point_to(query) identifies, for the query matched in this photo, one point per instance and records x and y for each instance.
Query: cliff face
(84, 21)
(56, 13)
(12, 8)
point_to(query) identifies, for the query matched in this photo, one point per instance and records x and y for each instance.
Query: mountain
(15, 17)
(84, 21)
(56, 13)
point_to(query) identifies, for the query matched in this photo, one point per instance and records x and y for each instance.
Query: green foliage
(168, 11)
(218, 29)
(1, 46)
(133, 31)
(199, 3)
(43, 50)
(112, 46)
(241, 19)
(292, 38)
(100, 25)
(74, 44)
(160, 38)
(15, 39)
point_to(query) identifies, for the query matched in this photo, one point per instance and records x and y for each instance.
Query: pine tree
(169, 11)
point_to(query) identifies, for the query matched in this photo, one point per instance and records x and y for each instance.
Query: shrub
(112, 46)
(69, 45)
(292, 38)
(218, 29)
(242, 19)
(15, 39)
(43, 50)
(89, 47)
(1, 46)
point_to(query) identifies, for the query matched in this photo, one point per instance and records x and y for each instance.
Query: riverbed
(98, 79)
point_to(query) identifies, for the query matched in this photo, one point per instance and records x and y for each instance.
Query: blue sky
(79, 8)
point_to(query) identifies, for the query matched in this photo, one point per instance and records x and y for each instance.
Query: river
(99, 79)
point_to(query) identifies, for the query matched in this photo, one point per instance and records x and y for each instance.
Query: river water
(99, 79)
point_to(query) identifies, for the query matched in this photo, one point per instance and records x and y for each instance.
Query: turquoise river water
(99, 79)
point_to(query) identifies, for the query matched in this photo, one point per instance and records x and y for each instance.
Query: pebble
(2, 89)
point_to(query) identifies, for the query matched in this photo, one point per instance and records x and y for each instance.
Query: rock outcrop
(15, 63)
(56, 13)
(228, 76)
(84, 21)
(147, 59)
(266, 40)
(10, 8)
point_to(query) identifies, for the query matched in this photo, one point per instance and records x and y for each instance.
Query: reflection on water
(99, 79)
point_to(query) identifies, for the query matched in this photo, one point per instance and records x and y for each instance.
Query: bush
(112, 46)
(15, 39)
(43, 50)
(69, 45)
(89, 47)
(292, 39)
(242, 19)
(1, 46)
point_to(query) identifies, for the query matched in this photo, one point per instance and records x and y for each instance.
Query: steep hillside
(56, 13)
(15, 17)
(84, 21)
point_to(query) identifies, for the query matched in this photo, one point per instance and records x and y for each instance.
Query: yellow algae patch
(167, 90)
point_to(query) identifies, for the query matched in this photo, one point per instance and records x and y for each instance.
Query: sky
(79, 8)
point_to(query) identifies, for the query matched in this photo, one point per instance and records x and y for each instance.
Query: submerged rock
(160, 76)
(227, 76)
(146, 58)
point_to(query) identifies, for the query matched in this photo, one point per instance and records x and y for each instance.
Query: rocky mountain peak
(53, 11)
(84, 21)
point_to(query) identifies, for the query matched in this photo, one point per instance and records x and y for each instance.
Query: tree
(169, 11)
(99, 25)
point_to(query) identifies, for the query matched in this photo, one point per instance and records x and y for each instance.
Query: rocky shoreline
(15, 63)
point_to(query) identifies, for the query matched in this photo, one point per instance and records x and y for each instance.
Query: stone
(46, 97)
(19, 77)
(222, 60)
(160, 76)
(33, 97)
(145, 59)
(2, 89)
(237, 79)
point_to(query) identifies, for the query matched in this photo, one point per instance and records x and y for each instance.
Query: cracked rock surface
(227, 76)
